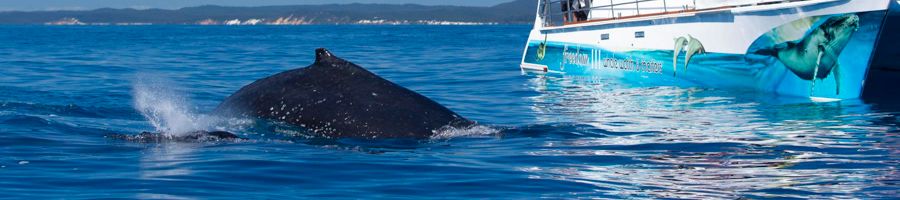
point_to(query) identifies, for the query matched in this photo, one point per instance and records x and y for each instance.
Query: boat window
(639, 34)
(604, 36)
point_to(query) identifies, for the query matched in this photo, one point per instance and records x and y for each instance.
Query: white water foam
(470, 131)
(165, 109)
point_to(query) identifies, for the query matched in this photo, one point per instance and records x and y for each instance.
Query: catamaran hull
(819, 49)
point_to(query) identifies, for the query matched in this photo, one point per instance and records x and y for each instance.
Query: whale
(815, 55)
(193, 136)
(334, 98)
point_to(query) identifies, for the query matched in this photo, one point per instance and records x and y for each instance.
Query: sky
(35, 5)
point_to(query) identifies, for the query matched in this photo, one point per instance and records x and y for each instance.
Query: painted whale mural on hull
(823, 56)
(815, 55)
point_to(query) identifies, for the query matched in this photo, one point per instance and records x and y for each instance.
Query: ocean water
(64, 91)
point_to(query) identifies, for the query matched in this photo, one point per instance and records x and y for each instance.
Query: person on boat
(565, 5)
(583, 9)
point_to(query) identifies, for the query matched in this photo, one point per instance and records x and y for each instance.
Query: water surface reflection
(164, 163)
(675, 142)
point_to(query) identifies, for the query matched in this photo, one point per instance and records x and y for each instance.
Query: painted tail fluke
(691, 46)
(694, 47)
(542, 49)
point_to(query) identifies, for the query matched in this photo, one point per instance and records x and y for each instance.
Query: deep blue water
(65, 90)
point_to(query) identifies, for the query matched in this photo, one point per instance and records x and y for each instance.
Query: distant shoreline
(516, 12)
(278, 22)
(264, 25)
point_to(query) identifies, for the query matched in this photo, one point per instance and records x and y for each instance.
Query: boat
(820, 49)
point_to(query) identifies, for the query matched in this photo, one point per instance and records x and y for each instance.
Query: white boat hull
(819, 48)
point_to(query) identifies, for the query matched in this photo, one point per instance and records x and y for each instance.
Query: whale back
(336, 98)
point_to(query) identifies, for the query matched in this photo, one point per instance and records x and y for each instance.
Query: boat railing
(576, 12)
(565, 12)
